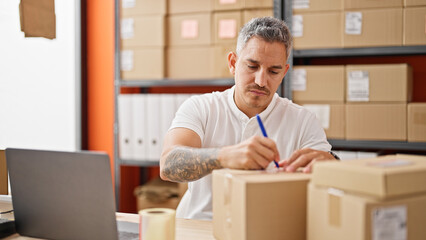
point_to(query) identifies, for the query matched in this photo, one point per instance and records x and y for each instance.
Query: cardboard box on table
(259, 205)
(416, 121)
(368, 199)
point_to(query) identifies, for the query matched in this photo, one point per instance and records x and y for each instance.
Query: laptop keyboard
(128, 236)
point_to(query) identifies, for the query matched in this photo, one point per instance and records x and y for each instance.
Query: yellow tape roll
(157, 224)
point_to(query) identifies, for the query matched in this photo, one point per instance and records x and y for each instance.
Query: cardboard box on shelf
(130, 8)
(413, 3)
(331, 117)
(414, 26)
(416, 121)
(221, 5)
(379, 83)
(302, 6)
(249, 205)
(142, 63)
(318, 83)
(372, 28)
(361, 4)
(367, 121)
(3, 174)
(189, 6)
(256, 13)
(143, 31)
(221, 52)
(190, 29)
(307, 33)
(226, 27)
(157, 194)
(190, 63)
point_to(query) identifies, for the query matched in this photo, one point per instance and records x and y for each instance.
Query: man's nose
(261, 78)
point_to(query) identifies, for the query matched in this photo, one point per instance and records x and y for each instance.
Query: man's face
(258, 72)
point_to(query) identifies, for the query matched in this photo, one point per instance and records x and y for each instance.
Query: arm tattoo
(185, 164)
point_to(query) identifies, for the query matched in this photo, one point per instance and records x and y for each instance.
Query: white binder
(153, 125)
(139, 127)
(168, 110)
(125, 147)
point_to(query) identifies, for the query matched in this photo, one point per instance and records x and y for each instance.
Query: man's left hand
(304, 158)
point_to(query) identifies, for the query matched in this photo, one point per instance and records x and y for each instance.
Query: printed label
(298, 79)
(297, 26)
(322, 112)
(126, 60)
(127, 28)
(227, 28)
(300, 4)
(227, 1)
(189, 29)
(389, 223)
(353, 23)
(358, 86)
(128, 3)
(390, 163)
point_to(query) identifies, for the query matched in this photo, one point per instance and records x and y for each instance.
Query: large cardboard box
(190, 29)
(221, 52)
(414, 26)
(360, 4)
(308, 35)
(226, 27)
(374, 27)
(189, 6)
(336, 215)
(376, 121)
(143, 31)
(129, 8)
(220, 5)
(331, 117)
(412, 3)
(189, 63)
(3, 174)
(143, 63)
(259, 205)
(416, 121)
(302, 6)
(379, 83)
(318, 83)
(256, 13)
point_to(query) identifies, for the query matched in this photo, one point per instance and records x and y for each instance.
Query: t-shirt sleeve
(313, 135)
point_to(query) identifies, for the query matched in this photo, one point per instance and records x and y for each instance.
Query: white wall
(40, 81)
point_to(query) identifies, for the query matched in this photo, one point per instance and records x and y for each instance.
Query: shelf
(378, 145)
(352, 52)
(139, 163)
(170, 82)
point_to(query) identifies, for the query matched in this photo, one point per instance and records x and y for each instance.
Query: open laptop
(64, 195)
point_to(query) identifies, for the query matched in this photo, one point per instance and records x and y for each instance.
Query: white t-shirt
(217, 120)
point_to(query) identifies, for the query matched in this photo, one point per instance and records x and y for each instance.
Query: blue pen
(262, 128)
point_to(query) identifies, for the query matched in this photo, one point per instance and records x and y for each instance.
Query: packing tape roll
(157, 224)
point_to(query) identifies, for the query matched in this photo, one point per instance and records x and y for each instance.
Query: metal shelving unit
(382, 145)
(360, 52)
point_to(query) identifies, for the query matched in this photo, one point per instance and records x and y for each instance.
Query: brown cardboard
(412, 3)
(190, 29)
(361, 4)
(416, 121)
(317, 6)
(383, 177)
(323, 84)
(157, 194)
(335, 121)
(226, 27)
(190, 63)
(335, 215)
(142, 7)
(414, 26)
(256, 13)
(380, 27)
(387, 82)
(38, 18)
(320, 37)
(220, 5)
(148, 31)
(221, 52)
(258, 205)
(376, 121)
(3, 174)
(189, 6)
(147, 63)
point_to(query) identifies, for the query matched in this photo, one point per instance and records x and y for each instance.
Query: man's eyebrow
(257, 62)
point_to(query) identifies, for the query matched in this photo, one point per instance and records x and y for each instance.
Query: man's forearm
(185, 164)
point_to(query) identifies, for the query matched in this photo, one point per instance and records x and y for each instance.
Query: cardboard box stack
(414, 22)
(142, 33)
(378, 198)
(416, 121)
(321, 89)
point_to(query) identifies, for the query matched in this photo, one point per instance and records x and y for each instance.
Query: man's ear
(232, 60)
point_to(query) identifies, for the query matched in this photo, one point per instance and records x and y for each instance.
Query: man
(220, 130)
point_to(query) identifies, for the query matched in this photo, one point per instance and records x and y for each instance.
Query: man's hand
(254, 153)
(304, 158)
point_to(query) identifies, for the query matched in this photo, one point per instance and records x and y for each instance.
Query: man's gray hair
(268, 29)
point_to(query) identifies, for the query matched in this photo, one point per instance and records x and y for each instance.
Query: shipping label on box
(331, 117)
(143, 63)
(143, 31)
(226, 26)
(302, 6)
(190, 29)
